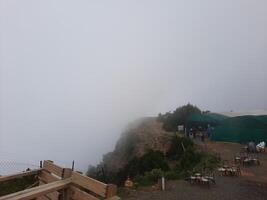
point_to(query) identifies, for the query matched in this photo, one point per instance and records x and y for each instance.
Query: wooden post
(111, 190)
(72, 167)
(162, 183)
(65, 194)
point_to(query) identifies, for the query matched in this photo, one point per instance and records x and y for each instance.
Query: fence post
(65, 194)
(72, 167)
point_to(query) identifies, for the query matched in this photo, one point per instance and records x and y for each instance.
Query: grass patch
(143, 181)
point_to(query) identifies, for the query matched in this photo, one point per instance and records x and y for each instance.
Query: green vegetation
(172, 119)
(178, 147)
(182, 158)
(16, 185)
(189, 158)
(150, 160)
(138, 168)
(147, 169)
(122, 192)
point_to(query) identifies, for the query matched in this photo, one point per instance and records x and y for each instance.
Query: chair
(238, 159)
(222, 171)
(211, 178)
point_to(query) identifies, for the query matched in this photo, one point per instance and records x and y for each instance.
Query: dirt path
(252, 185)
(229, 150)
(225, 189)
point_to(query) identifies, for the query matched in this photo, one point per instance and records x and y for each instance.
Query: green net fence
(204, 120)
(242, 129)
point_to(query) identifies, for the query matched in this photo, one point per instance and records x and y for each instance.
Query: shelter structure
(203, 120)
(242, 129)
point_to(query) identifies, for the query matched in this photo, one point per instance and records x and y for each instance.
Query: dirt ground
(252, 185)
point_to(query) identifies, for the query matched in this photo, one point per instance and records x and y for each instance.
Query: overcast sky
(74, 73)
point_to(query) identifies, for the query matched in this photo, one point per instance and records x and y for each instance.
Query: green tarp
(204, 120)
(242, 129)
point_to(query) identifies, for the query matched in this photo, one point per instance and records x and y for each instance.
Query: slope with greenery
(146, 151)
(183, 154)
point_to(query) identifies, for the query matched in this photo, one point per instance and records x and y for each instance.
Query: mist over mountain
(74, 74)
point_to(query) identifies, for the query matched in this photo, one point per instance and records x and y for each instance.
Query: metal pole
(162, 183)
(72, 167)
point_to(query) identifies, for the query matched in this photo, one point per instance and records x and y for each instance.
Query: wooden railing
(57, 183)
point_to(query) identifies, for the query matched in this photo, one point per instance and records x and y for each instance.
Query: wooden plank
(46, 177)
(42, 198)
(18, 175)
(67, 172)
(93, 185)
(53, 195)
(78, 194)
(52, 168)
(38, 191)
(41, 182)
(50, 196)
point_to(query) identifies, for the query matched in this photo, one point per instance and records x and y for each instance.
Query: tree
(178, 117)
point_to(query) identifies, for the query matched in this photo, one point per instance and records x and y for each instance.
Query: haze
(73, 74)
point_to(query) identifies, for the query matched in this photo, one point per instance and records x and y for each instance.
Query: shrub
(176, 149)
(142, 181)
(195, 161)
(154, 174)
(173, 175)
(189, 159)
(138, 167)
(122, 192)
(150, 160)
(208, 162)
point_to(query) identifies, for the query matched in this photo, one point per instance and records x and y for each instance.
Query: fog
(73, 74)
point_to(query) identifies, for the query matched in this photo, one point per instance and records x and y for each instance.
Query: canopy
(206, 119)
(242, 129)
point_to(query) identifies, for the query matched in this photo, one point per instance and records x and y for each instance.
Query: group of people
(253, 148)
(200, 132)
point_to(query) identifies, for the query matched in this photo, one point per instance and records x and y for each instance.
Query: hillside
(145, 151)
(143, 134)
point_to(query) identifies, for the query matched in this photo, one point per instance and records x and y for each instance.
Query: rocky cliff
(143, 134)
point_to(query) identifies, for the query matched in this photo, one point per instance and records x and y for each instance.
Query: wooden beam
(47, 177)
(19, 175)
(32, 193)
(42, 198)
(57, 170)
(90, 184)
(57, 182)
(52, 195)
(67, 172)
(52, 168)
(78, 194)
